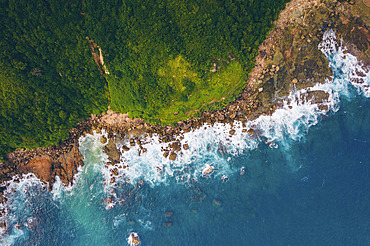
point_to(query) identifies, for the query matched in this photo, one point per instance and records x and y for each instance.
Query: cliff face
(46, 167)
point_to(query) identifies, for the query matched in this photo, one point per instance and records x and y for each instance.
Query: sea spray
(21, 193)
(214, 145)
(208, 145)
(347, 69)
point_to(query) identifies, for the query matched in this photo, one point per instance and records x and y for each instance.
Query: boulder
(176, 146)
(132, 142)
(125, 148)
(173, 156)
(165, 154)
(111, 150)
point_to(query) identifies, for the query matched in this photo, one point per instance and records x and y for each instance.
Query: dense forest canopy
(168, 60)
(49, 80)
(162, 54)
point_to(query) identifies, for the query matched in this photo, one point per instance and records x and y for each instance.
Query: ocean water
(302, 178)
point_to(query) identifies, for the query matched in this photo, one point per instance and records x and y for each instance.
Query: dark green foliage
(161, 55)
(48, 79)
(142, 41)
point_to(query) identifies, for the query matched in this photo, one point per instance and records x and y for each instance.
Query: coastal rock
(315, 97)
(185, 146)
(125, 148)
(111, 150)
(175, 146)
(41, 166)
(132, 142)
(172, 156)
(220, 117)
(103, 139)
(250, 131)
(165, 154)
(46, 167)
(66, 165)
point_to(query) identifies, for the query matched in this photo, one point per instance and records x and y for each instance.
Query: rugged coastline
(288, 59)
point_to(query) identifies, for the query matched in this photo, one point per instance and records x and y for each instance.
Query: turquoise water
(311, 187)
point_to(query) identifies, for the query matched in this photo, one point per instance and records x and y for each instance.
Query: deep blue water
(311, 190)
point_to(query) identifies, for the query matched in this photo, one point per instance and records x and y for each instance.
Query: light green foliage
(160, 53)
(168, 60)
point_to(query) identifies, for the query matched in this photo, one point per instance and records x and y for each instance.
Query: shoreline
(289, 58)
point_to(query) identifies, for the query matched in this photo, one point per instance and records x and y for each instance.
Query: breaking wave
(209, 146)
(213, 145)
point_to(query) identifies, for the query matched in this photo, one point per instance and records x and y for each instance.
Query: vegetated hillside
(48, 78)
(170, 59)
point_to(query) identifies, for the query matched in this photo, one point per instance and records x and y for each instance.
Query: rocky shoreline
(288, 59)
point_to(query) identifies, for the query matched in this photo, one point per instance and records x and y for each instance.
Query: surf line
(213, 145)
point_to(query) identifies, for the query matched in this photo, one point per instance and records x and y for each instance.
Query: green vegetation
(168, 60)
(160, 53)
(48, 79)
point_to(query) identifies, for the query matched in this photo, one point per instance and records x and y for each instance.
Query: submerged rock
(217, 202)
(169, 213)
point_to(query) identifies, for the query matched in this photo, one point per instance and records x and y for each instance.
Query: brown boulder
(250, 131)
(125, 148)
(173, 156)
(132, 142)
(111, 150)
(176, 146)
(165, 154)
(232, 115)
(103, 139)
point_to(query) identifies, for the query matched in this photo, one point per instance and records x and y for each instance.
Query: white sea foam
(91, 149)
(213, 145)
(19, 192)
(346, 67)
